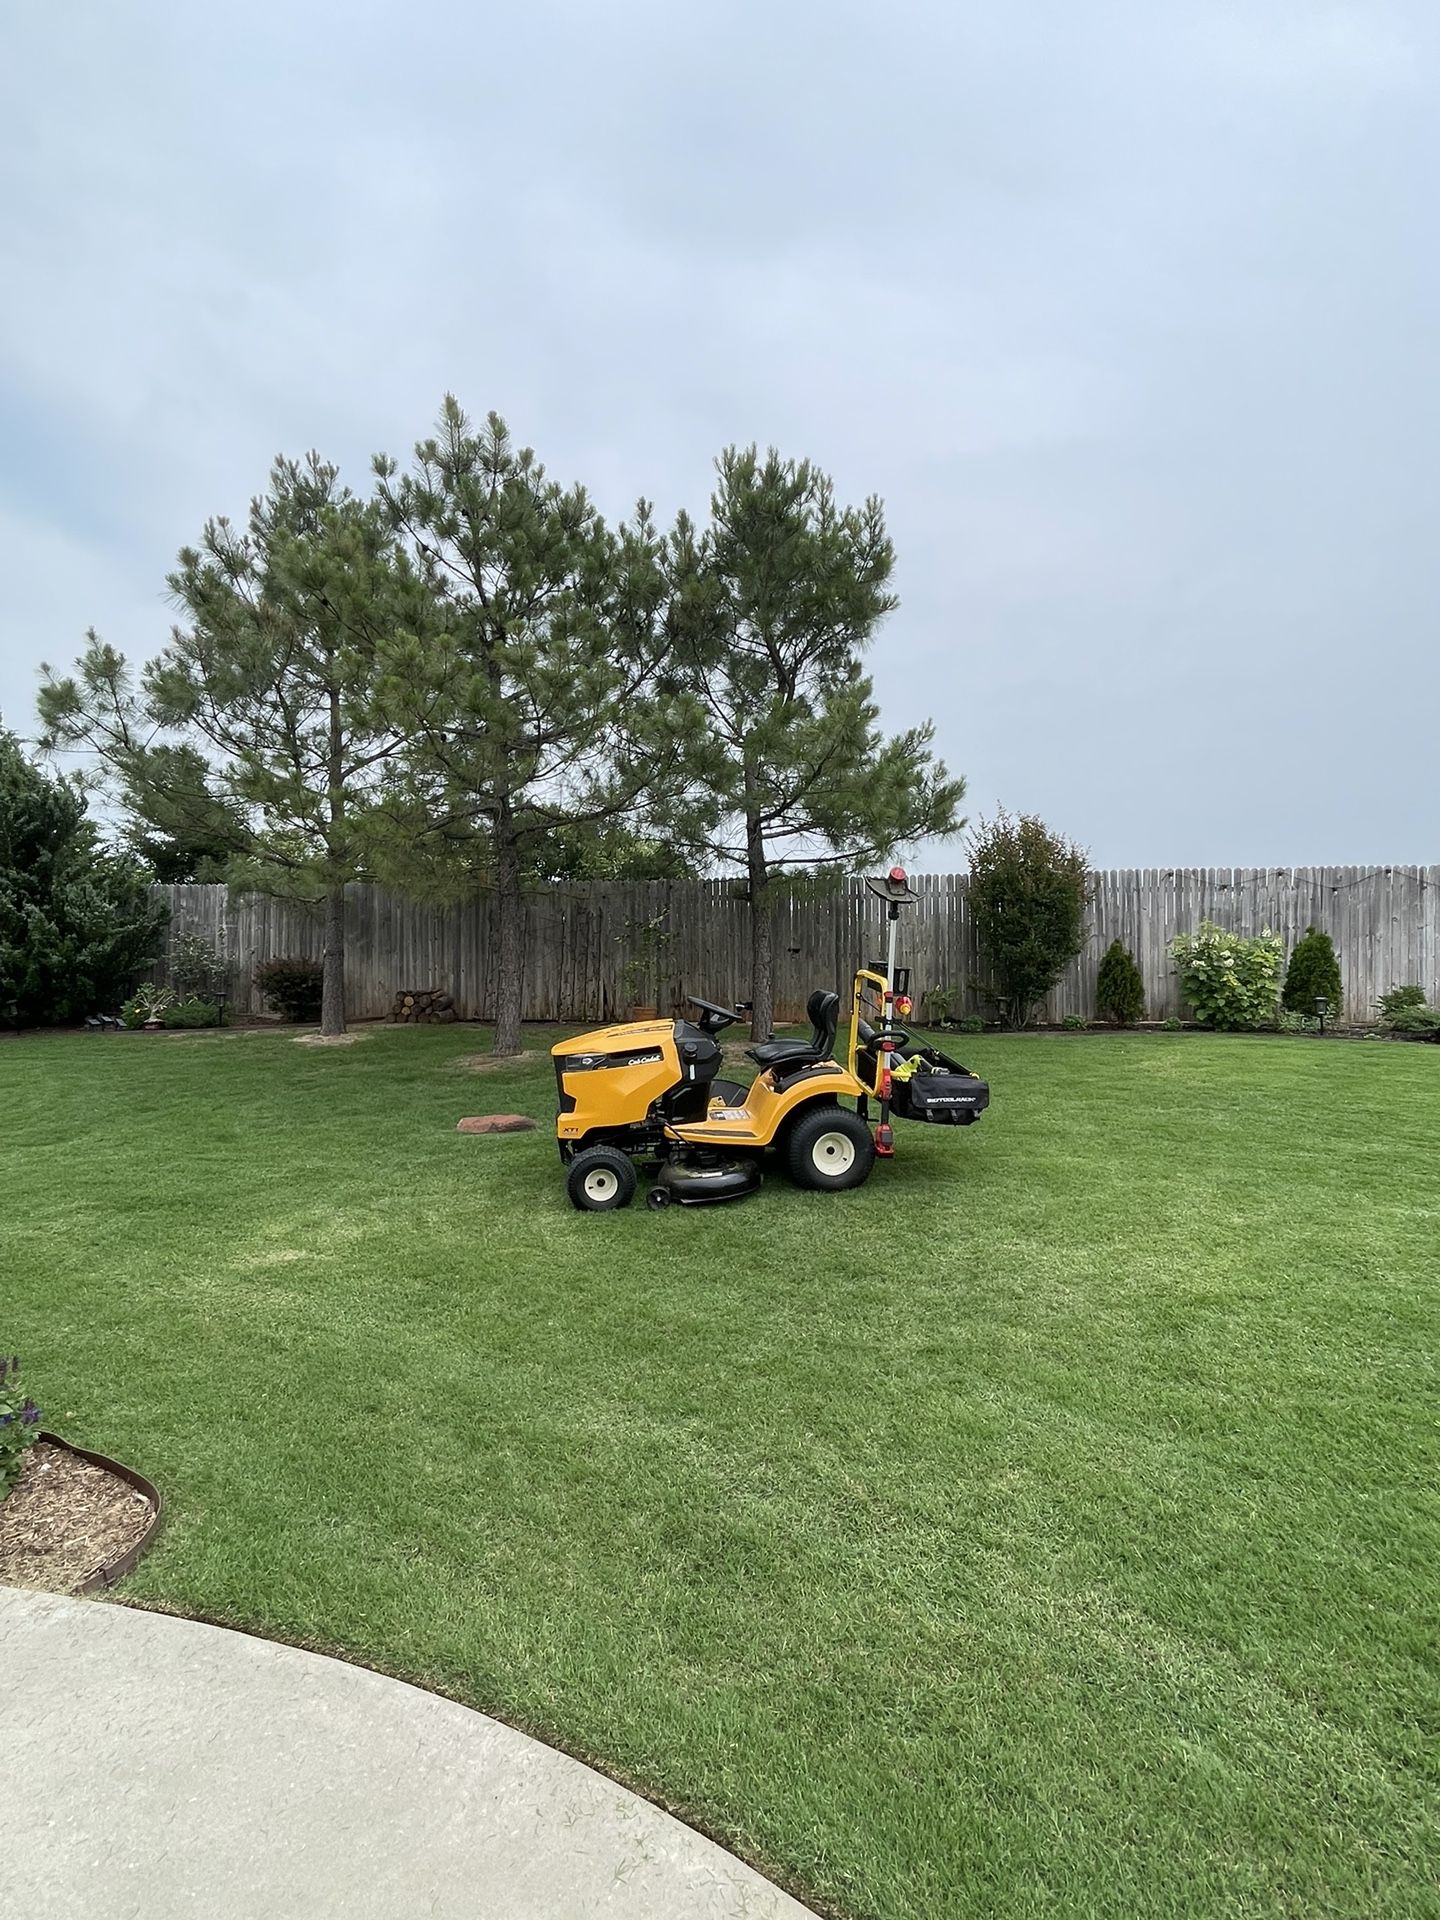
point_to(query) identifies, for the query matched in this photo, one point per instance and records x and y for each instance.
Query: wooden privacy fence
(1385, 922)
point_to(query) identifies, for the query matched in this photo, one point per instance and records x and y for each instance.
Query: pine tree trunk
(510, 930)
(762, 953)
(332, 991)
(332, 985)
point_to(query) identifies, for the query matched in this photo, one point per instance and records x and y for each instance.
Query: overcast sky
(1129, 311)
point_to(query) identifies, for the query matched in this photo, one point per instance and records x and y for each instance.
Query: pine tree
(532, 707)
(1313, 973)
(77, 923)
(776, 602)
(257, 726)
(1119, 989)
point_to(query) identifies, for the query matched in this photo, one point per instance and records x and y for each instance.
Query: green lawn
(1050, 1528)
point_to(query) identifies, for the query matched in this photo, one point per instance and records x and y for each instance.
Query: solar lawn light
(1322, 1007)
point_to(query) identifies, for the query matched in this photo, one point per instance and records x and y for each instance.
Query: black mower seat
(823, 1010)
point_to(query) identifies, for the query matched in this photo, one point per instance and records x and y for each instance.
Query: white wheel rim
(833, 1153)
(601, 1183)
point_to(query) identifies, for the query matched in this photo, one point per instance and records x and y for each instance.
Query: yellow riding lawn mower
(649, 1090)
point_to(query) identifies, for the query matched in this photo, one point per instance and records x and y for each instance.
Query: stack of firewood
(423, 1003)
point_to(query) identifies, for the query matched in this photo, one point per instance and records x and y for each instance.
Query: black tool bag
(940, 1091)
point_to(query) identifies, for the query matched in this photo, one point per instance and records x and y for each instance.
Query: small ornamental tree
(1028, 892)
(1313, 973)
(1119, 989)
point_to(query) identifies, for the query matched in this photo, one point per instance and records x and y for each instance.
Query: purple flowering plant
(19, 1421)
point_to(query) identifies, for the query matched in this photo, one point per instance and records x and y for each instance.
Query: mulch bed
(66, 1519)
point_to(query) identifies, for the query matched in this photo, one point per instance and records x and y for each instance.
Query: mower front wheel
(600, 1179)
(829, 1149)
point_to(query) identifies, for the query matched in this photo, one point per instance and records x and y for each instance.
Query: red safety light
(897, 874)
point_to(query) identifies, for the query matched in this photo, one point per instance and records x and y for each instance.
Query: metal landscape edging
(113, 1570)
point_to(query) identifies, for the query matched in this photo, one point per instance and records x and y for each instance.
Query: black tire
(600, 1179)
(781, 1143)
(659, 1198)
(829, 1149)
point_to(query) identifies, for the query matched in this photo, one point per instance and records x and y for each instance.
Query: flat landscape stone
(496, 1123)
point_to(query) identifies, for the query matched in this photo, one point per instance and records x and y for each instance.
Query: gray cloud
(1127, 311)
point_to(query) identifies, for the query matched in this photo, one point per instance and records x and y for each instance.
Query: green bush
(1288, 1022)
(193, 1012)
(1173, 1025)
(77, 923)
(1075, 1023)
(1229, 981)
(291, 987)
(1119, 989)
(1421, 1021)
(1313, 974)
(1397, 1000)
(969, 1023)
(19, 1422)
(1027, 895)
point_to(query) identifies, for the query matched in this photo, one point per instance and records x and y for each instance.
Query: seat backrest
(823, 1009)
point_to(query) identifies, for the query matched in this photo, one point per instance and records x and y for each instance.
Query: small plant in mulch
(19, 1423)
(64, 1520)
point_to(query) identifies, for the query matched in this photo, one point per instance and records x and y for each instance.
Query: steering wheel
(870, 1036)
(714, 1017)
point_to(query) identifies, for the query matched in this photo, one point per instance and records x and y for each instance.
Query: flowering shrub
(19, 1423)
(198, 969)
(1229, 981)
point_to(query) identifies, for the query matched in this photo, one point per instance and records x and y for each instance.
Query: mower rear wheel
(829, 1149)
(600, 1179)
